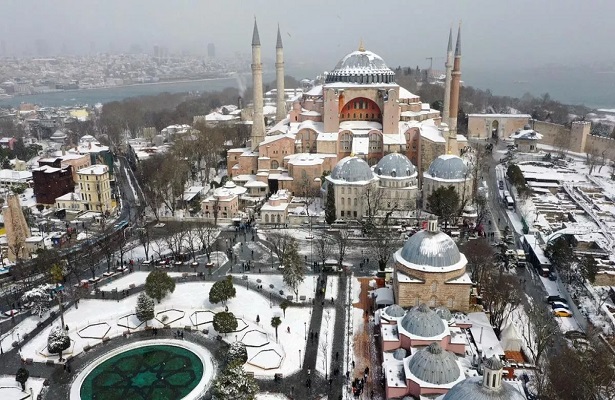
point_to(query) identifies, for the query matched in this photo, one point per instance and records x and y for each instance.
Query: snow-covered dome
(395, 165)
(58, 135)
(448, 167)
(400, 354)
(423, 321)
(431, 248)
(434, 365)
(473, 389)
(394, 311)
(361, 66)
(444, 313)
(352, 169)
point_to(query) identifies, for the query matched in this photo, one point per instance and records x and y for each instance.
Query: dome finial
(361, 46)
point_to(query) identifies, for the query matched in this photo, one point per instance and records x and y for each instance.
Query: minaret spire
(447, 81)
(258, 119)
(280, 102)
(455, 89)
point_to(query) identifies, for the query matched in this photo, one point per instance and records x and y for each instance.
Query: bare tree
(207, 234)
(144, 238)
(500, 298)
(383, 243)
(480, 257)
(324, 248)
(372, 201)
(539, 331)
(279, 241)
(342, 239)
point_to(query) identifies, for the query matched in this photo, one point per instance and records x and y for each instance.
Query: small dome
(423, 321)
(400, 354)
(394, 311)
(395, 165)
(58, 135)
(448, 167)
(352, 169)
(361, 66)
(473, 389)
(493, 363)
(444, 313)
(431, 249)
(434, 365)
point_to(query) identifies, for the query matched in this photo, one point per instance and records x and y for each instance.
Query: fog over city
(518, 33)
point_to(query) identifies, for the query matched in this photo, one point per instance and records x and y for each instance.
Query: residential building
(52, 180)
(95, 188)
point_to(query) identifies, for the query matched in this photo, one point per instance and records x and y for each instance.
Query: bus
(510, 204)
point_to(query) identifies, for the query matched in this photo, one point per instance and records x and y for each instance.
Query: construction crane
(431, 61)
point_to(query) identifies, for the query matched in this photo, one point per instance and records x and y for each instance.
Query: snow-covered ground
(25, 326)
(188, 297)
(307, 288)
(10, 389)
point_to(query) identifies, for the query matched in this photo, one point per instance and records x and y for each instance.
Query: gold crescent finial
(361, 47)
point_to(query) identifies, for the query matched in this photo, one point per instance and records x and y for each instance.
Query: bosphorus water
(595, 89)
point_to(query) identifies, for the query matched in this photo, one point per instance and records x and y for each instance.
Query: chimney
(432, 226)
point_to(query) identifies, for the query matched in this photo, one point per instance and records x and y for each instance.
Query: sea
(595, 89)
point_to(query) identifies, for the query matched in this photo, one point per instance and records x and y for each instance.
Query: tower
(280, 102)
(258, 120)
(492, 374)
(455, 84)
(447, 82)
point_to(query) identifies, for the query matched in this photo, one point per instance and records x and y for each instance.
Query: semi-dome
(434, 365)
(423, 321)
(448, 167)
(395, 165)
(431, 249)
(473, 389)
(352, 169)
(394, 311)
(444, 313)
(400, 354)
(361, 66)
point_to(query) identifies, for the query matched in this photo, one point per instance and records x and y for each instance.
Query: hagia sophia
(359, 119)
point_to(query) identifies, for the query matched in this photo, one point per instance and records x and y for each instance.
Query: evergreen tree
(225, 322)
(589, 268)
(330, 205)
(158, 284)
(234, 384)
(444, 202)
(58, 341)
(293, 273)
(145, 308)
(21, 377)
(237, 354)
(275, 323)
(222, 290)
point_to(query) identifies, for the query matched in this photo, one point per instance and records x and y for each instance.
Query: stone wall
(601, 144)
(435, 291)
(553, 134)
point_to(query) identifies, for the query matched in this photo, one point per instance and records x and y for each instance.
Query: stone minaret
(447, 82)
(258, 120)
(455, 86)
(280, 102)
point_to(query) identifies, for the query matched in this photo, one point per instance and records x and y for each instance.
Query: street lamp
(305, 329)
(299, 358)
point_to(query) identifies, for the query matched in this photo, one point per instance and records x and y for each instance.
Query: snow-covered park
(96, 320)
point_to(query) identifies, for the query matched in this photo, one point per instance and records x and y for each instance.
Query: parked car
(552, 277)
(559, 304)
(562, 312)
(553, 298)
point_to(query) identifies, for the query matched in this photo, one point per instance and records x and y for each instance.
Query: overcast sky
(404, 32)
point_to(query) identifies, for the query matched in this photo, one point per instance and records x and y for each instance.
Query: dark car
(552, 277)
(551, 299)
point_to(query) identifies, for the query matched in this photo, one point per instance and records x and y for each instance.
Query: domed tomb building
(430, 269)
(448, 170)
(359, 110)
(488, 387)
(351, 180)
(398, 183)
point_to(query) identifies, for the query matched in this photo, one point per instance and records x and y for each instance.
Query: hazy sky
(404, 32)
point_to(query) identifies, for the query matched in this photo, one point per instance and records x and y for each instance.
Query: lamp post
(299, 358)
(305, 329)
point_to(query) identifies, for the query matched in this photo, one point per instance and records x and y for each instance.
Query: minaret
(280, 102)
(455, 83)
(258, 120)
(447, 82)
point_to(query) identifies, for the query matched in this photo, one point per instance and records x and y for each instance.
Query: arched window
(432, 301)
(275, 164)
(277, 217)
(493, 377)
(266, 218)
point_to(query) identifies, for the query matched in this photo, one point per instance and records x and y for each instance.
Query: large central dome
(361, 66)
(431, 249)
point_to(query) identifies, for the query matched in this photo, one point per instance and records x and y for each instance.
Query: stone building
(430, 269)
(397, 181)
(526, 140)
(95, 188)
(448, 170)
(357, 111)
(17, 230)
(52, 180)
(487, 126)
(353, 183)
